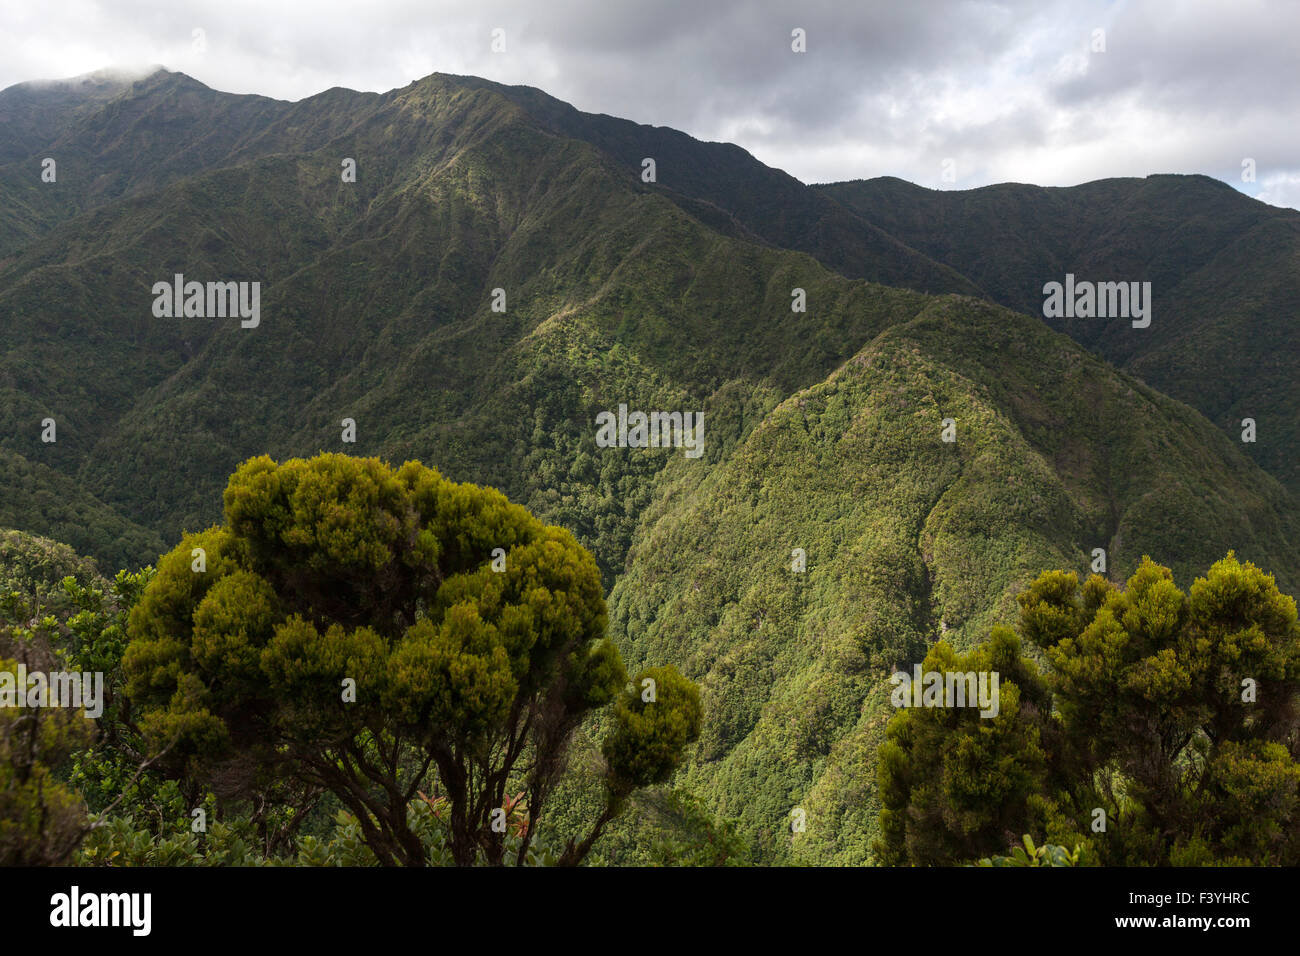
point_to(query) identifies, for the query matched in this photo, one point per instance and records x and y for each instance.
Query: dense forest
(365, 588)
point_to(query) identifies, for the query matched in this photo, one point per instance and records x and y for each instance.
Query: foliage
(821, 426)
(355, 628)
(1046, 855)
(908, 540)
(42, 819)
(1166, 729)
(689, 836)
(1221, 266)
(236, 842)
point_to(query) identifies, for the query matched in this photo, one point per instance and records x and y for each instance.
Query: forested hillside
(1224, 272)
(499, 274)
(908, 540)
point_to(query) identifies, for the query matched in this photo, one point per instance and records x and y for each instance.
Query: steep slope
(907, 538)
(1224, 272)
(822, 428)
(377, 306)
(113, 138)
(720, 182)
(35, 496)
(35, 114)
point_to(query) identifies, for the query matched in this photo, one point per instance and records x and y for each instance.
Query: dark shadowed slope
(1224, 272)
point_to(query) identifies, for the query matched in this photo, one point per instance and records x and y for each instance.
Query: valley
(827, 429)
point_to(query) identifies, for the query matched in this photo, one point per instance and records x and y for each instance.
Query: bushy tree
(952, 783)
(384, 634)
(1169, 733)
(42, 820)
(62, 773)
(42, 586)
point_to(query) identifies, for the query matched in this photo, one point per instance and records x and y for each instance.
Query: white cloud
(1009, 89)
(1281, 189)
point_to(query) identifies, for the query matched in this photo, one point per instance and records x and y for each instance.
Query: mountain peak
(117, 76)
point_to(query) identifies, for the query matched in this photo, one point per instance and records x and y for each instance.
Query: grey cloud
(885, 88)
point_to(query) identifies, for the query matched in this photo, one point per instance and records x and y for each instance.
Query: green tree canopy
(1165, 730)
(379, 632)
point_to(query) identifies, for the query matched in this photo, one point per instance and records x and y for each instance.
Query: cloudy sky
(1037, 91)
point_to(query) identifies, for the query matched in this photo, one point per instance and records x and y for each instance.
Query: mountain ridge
(824, 428)
(1196, 239)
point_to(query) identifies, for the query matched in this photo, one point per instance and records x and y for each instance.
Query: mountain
(1224, 268)
(37, 496)
(113, 137)
(823, 430)
(1224, 272)
(724, 185)
(33, 115)
(907, 540)
(376, 297)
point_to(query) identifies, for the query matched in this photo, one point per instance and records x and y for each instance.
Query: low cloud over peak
(946, 94)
